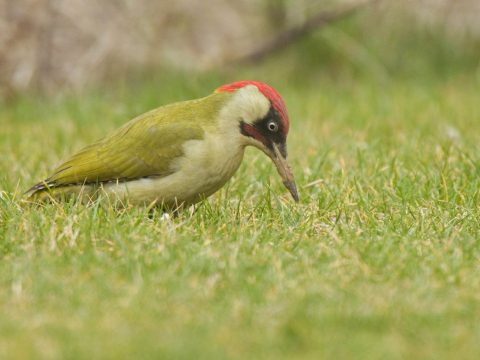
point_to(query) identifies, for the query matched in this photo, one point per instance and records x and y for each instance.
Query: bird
(179, 154)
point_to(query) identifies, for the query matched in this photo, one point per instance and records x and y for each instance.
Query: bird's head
(261, 117)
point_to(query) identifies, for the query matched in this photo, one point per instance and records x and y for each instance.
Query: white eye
(272, 126)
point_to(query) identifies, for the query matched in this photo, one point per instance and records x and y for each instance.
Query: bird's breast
(209, 163)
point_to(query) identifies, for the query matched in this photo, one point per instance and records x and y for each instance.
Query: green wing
(143, 147)
(139, 150)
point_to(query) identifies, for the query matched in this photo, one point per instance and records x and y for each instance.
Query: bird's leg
(177, 208)
(195, 208)
(166, 210)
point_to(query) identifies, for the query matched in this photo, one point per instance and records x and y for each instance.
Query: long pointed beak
(285, 172)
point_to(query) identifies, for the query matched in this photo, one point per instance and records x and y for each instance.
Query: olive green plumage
(143, 147)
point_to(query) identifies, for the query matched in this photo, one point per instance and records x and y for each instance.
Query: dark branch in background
(289, 36)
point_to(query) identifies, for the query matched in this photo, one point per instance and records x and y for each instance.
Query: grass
(379, 260)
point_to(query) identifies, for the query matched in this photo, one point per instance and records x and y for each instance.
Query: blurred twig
(289, 36)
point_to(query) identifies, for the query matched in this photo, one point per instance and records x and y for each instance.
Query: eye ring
(272, 126)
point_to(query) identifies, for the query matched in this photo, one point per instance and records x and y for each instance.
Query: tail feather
(39, 187)
(48, 190)
(40, 192)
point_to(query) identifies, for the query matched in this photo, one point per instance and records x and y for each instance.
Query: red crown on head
(269, 92)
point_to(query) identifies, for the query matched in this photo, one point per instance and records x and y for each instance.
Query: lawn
(379, 260)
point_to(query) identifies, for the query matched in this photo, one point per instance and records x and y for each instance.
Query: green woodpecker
(180, 153)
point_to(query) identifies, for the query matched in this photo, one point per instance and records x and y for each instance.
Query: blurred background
(51, 46)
